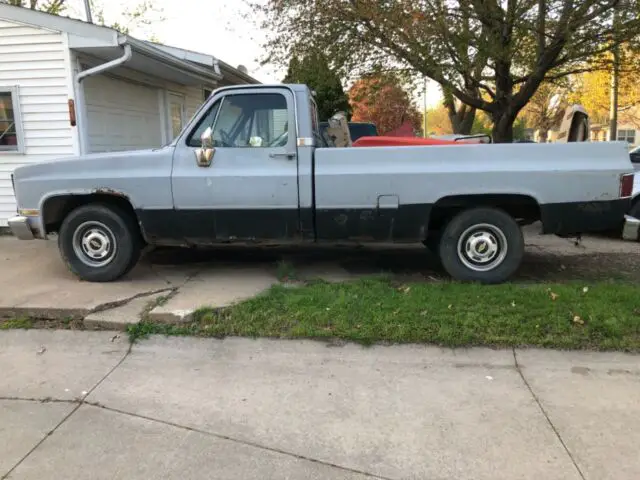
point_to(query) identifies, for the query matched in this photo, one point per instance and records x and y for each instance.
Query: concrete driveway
(172, 283)
(78, 404)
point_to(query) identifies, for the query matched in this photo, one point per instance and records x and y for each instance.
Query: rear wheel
(482, 245)
(99, 243)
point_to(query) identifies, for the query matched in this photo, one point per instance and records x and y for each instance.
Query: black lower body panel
(583, 217)
(208, 226)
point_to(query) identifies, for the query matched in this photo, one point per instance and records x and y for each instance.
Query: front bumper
(631, 229)
(21, 227)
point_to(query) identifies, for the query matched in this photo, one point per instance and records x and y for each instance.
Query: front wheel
(99, 243)
(482, 245)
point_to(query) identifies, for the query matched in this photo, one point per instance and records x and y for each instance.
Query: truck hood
(90, 163)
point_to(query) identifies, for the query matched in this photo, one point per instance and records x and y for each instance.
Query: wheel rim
(482, 247)
(94, 244)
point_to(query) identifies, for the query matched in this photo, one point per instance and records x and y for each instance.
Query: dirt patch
(547, 258)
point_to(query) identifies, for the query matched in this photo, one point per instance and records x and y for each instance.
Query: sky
(216, 27)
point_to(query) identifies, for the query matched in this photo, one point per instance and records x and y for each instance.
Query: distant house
(628, 128)
(69, 87)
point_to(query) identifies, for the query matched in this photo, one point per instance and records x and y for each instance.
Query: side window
(10, 131)
(252, 120)
(207, 121)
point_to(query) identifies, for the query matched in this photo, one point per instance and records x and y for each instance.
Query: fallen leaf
(585, 289)
(423, 313)
(450, 306)
(115, 337)
(489, 377)
(562, 267)
(554, 296)
(41, 350)
(578, 320)
(513, 304)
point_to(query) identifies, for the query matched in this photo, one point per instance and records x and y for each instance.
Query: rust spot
(341, 219)
(109, 191)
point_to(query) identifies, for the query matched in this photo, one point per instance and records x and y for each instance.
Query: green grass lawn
(580, 315)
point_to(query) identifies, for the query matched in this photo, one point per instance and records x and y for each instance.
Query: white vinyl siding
(34, 62)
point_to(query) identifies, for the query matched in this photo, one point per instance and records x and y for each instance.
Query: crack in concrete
(546, 415)
(78, 404)
(238, 440)
(119, 303)
(41, 400)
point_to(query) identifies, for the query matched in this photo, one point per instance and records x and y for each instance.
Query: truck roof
(295, 87)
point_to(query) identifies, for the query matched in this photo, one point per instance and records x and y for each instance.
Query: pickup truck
(247, 168)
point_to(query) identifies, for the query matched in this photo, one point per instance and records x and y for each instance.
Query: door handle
(287, 156)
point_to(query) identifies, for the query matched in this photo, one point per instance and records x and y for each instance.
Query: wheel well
(55, 209)
(523, 208)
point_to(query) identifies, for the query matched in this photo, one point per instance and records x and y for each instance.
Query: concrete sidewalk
(78, 405)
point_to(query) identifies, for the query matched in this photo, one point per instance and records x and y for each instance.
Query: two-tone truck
(248, 168)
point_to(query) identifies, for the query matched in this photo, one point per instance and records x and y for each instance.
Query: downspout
(81, 108)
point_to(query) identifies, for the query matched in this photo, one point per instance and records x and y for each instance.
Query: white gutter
(80, 100)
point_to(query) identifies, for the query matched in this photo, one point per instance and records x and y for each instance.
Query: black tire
(106, 230)
(472, 230)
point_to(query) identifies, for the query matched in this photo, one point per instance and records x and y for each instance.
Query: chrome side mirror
(204, 154)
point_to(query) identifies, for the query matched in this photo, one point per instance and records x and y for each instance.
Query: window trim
(13, 90)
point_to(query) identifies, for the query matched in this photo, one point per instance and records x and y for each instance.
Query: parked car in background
(356, 129)
(635, 201)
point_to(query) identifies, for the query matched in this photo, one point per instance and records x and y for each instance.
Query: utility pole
(424, 109)
(87, 10)
(615, 79)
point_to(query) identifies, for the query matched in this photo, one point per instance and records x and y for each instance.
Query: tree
(592, 89)
(55, 7)
(141, 14)
(492, 55)
(378, 97)
(313, 70)
(438, 122)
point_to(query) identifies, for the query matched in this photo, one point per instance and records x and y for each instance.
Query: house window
(627, 136)
(10, 121)
(206, 93)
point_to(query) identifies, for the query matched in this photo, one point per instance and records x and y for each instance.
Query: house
(627, 132)
(68, 87)
(628, 128)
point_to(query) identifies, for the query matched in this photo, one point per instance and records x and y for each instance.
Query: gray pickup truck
(247, 169)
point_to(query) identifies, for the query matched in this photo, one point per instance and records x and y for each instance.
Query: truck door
(249, 191)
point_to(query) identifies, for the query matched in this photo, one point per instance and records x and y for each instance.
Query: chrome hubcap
(482, 247)
(94, 244)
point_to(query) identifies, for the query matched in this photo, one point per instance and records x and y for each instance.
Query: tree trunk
(461, 118)
(502, 128)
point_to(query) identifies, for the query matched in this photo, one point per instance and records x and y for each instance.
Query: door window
(252, 120)
(193, 140)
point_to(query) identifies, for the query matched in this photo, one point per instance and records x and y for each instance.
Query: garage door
(121, 115)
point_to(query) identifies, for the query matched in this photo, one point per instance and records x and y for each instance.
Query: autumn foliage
(381, 99)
